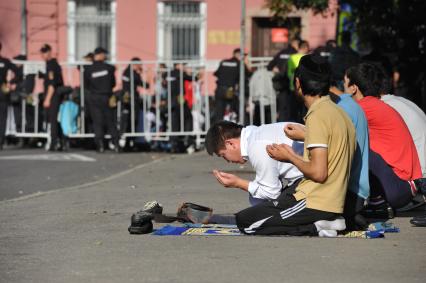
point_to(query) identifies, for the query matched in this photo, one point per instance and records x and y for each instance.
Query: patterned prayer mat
(375, 230)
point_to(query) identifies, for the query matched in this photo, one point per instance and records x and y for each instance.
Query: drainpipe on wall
(242, 66)
(24, 49)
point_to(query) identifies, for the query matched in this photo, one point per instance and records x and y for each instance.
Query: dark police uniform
(228, 76)
(5, 66)
(137, 82)
(53, 77)
(285, 99)
(24, 85)
(99, 80)
(178, 102)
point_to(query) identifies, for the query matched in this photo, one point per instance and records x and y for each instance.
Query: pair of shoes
(419, 221)
(141, 223)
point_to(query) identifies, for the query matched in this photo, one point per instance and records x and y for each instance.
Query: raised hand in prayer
(295, 132)
(226, 179)
(280, 152)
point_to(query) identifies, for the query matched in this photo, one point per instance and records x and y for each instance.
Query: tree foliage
(395, 24)
(281, 8)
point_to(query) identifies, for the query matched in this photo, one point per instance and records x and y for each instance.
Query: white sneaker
(338, 224)
(327, 233)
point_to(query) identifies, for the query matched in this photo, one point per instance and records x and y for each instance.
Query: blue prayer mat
(375, 230)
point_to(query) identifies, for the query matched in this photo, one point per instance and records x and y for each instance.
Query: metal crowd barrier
(156, 99)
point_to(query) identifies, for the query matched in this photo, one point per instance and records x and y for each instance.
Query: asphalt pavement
(79, 233)
(29, 171)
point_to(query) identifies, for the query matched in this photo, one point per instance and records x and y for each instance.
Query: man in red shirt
(395, 172)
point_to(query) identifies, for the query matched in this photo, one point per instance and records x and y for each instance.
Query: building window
(91, 23)
(181, 30)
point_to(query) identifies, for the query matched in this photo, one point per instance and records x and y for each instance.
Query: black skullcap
(315, 67)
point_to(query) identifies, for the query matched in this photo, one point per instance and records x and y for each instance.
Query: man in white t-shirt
(415, 119)
(239, 144)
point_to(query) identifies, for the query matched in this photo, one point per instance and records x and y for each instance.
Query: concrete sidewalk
(80, 235)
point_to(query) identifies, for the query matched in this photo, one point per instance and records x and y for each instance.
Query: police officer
(52, 80)
(99, 80)
(22, 85)
(279, 65)
(177, 78)
(228, 76)
(126, 77)
(5, 66)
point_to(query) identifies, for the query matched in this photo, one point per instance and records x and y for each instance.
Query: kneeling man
(239, 144)
(316, 206)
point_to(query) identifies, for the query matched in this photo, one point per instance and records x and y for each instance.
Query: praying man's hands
(295, 132)
(226, 179)
(280, 152)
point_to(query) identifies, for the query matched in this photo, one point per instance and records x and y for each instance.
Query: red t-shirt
(390, 138)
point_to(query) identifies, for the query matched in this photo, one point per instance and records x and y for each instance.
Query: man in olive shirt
(317, 203)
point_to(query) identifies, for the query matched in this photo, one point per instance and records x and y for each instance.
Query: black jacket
(99, 78)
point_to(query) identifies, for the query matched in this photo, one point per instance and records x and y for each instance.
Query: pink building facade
(151, 29)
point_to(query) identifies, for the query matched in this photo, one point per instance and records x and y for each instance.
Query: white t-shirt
(415, 119)
(270, 174)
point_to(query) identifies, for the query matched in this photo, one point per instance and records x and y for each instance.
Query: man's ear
(353, 89)
(231, 143)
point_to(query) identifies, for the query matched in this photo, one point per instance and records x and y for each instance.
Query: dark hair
(331, 43)
(135, 59)
(313, 73)
(219, 133)
(383, 79)
(45, 48)
(303, 44)
(367, 77)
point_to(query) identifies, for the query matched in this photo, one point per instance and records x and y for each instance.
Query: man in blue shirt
(358, 187)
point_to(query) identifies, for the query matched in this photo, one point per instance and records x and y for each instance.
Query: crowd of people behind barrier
(174, 103)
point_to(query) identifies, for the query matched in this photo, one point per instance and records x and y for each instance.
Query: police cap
(100, 50)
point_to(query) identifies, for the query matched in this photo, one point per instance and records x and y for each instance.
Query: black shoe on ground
(417, 201)
(420, 185)
(141, 223)
(419, 221)
(100, 148)
(153, 207)
(380, 211)
(56, 146)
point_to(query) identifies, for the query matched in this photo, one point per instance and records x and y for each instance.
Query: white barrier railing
(162, 117)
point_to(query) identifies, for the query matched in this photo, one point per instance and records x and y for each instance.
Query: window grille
(182, 23)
